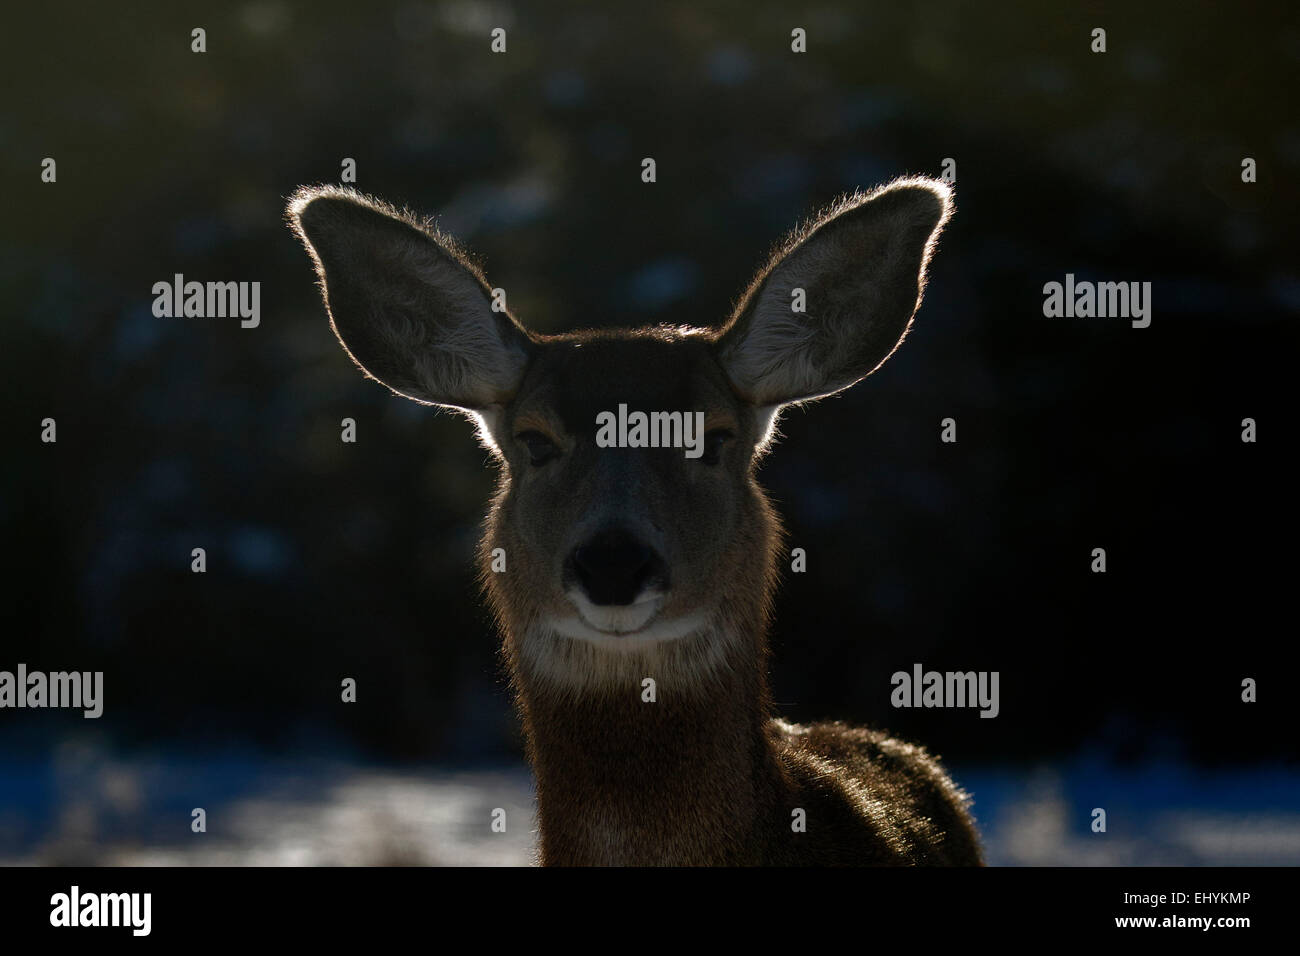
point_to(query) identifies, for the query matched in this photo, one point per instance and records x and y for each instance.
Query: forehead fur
(652, 369)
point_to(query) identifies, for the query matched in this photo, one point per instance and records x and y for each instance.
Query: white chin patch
(627, 626)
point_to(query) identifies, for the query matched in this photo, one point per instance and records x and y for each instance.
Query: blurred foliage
(329, 560)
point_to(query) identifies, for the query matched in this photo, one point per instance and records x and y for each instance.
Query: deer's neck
(625, 779)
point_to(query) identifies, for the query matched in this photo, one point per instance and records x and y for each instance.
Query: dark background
(328, 560)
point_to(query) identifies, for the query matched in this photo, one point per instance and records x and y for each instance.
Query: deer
(633, 586)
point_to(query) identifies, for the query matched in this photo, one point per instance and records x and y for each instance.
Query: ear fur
(407, 305)
(862, 268)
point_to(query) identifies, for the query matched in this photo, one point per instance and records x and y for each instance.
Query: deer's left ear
(861, 268)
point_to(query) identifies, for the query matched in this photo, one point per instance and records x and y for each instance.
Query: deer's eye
(540, 448)
(714, 441)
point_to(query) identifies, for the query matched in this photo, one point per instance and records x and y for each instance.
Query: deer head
(622, 561)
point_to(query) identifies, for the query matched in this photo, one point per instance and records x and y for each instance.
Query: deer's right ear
(407, 306)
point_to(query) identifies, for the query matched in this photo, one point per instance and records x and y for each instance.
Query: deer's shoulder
(880, 800)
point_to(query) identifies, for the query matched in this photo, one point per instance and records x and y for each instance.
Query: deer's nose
(616, 566)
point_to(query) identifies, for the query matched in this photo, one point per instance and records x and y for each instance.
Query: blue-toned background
(329, 560)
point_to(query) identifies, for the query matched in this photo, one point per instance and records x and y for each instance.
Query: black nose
(615, 566)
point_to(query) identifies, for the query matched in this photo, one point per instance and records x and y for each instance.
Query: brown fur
(704, 774)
